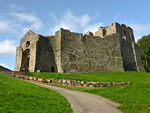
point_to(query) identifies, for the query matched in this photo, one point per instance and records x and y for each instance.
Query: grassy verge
(134, 98)
(18, 96)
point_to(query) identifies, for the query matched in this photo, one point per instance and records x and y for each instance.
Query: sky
(16, 17)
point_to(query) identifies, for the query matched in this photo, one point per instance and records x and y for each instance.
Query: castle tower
(129, 49)
(26, 53)
(35, 54)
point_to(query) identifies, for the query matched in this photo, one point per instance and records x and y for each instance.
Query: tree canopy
(144, 45)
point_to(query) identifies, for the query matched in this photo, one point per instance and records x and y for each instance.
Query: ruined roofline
(85, 35)
(115, 23)
(89, 33)
(30, 31)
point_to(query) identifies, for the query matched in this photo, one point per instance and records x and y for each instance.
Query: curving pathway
(82, 102)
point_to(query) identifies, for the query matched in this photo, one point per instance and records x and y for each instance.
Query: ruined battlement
(125, 32)
(110, 49)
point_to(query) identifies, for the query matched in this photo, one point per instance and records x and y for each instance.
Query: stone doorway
(52, 69)
(25, 60)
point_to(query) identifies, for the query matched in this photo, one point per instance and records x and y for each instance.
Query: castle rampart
(110, 49)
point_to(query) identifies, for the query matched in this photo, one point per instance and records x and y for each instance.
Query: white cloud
(117, 16)
(29, 18)
(15, 7)
(7, 26)
(4, 25)
(83, 20)
(93, 28)
(8, 47)
(97, 15)
(53, 17)
(137, 37)
(25, 29)
(70, 21)
(20, 23)
(141, 28)
(4, 65)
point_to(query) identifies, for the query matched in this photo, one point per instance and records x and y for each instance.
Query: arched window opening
(27, 43)
(104, 32)
(52, 69)
(124, 35)
(25, 60)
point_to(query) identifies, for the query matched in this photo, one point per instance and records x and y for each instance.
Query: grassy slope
(134, 98)
(18, 96)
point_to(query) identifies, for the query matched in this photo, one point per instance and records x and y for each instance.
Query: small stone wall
(15, 72)
(76, 83)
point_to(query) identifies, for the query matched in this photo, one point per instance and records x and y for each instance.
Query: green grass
(18, 96)
(134, 98)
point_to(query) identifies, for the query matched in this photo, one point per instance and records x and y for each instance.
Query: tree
(144, 45)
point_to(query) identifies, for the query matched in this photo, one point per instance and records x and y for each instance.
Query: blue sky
(16, 18)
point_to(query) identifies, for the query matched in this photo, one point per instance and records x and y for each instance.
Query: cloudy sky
(16, 17)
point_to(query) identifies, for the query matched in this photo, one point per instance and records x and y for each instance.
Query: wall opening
(52, 69)
(124, 35)
(27, 43)
(104, 32)
(25, 60)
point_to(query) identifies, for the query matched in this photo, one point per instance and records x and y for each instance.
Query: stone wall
(18, 59)
(32, 38)
(90, 53)
(129, 50)
(74, 83)
(104, 31)
(111, 49)
(55, 42)
(128, 56)
(44, 55)
(9, 72)
(138, 58)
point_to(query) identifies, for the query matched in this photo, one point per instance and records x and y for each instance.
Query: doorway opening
(25, 60)
(52, 69)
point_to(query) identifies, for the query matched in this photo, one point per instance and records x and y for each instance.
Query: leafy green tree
(144, 45)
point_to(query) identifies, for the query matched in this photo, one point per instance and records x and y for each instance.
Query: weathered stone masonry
(110, 49)
(74, 83)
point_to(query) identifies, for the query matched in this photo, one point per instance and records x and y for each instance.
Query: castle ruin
(110, 49)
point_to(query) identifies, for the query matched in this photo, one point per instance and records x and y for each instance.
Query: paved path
(82, 102)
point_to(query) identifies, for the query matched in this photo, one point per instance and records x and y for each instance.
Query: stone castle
(110, 49)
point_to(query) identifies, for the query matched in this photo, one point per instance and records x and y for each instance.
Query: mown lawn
(134, 98)
(18, 96)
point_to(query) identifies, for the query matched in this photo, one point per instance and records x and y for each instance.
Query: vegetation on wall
(144, 45)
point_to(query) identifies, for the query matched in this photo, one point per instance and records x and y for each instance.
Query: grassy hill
(134, 98)
(18, 96)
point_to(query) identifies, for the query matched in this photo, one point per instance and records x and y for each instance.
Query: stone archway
(52, 69)
(25, 60)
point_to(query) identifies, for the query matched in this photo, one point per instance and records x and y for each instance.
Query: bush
(147, 67)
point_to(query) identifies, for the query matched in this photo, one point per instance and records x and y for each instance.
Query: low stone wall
(15, 72)
(76, 83)
(6, 72)
(20, 73)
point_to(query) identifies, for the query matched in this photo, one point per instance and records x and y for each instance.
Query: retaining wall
(76, 83)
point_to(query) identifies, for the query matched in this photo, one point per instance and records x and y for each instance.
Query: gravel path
(82, 102)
